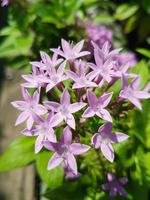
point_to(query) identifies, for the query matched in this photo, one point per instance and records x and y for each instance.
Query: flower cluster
(100, 35)
(84, 95)
(4, 2)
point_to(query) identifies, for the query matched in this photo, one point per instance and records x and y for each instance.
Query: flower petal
(118, 137)
(77, 148)
(66, 137)
(72, 163)
(54, 161)
(22, 117)
(88, 113)
(20, 105)
(51, 105)
(56, 119)
(107, 151)
(70, 121)
(92, 99)
(76, 106)
(38, 143)
(65, 98)
(105, 99)
(142, 95)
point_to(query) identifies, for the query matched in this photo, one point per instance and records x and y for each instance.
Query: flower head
(97, 106)
(115, 185)
(131, 92)
(30, 108)
(81, 78)
(64, 109)
(65, 151)
(104, 139)
(43, 130)
(70, 52)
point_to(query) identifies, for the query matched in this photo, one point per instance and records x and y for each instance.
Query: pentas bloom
(64, 82)
(131, 92)
(81, 78)
(104, 62)
(104, 138)
(43, 130)
(30, 108)
(115, 185)
(47, 62)
(56, 76)
(70, 52)
(126, 57)
(35, 80)
(99, 34)
(97, 106)
(4, 2)
(64, 109)
(65, 151)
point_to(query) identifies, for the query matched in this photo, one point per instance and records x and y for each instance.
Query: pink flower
(97, 106)
(43, 130)
(104, 139)
(64, 109)
(30, 108)
(65, 151)
(70, 52)
(131, 92)
(115, 186)
(81, 79)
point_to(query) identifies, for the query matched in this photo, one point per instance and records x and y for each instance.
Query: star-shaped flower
(35, 80)
(64, 109)
(47, 61)
(97, 106)
(104, 139)
(56, 76)
(102, 68)
(65, 151)
(70, 52)
(81, 78)
(30, 107)
(44, 132)
(115, 185)
(131, 92)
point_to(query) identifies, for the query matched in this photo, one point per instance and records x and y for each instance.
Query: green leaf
(19, 154)
(144, 52)
(52, 178)
(125, 11)
(142, 70)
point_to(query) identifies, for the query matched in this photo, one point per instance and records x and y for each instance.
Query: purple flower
(70, 52)
(4, 2)
(44, 132)
(97, 106)
(56, 76)
(127, 57)
(65, 151)
(47, 62)
(69, 173)
(131, 92)
(81, 78)
(119, 71)
(104, 62)
(64, 109)
(115, 186)
(99, 34)
(104, 139)
(30, 108)
(35, 80)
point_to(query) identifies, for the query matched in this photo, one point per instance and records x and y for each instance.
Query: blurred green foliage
(40, 24)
